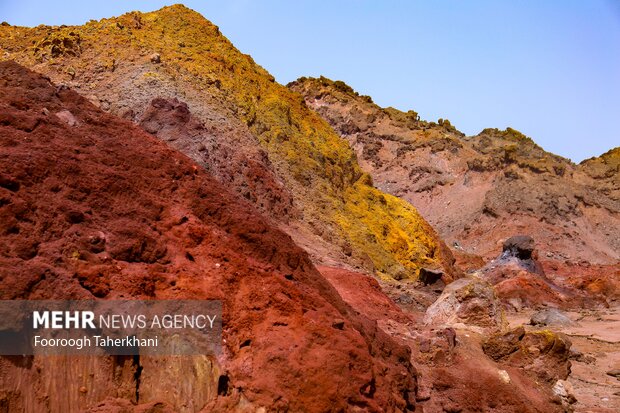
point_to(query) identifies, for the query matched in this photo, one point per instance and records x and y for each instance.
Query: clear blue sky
(548, 68)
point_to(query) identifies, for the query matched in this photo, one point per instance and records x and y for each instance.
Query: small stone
(516, 303)
(424, 391)
(83, 389)
(425, 345)
(155, 58)
(614, 373)
(550, 317)
(450, 335)
(504, 376)
(67, 117)
(564, 390)
(338, 324)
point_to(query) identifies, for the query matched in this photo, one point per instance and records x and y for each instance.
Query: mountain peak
(176, 12)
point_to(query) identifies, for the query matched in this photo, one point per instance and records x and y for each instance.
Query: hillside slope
(92, 207)
(174, 73)
(479, 190)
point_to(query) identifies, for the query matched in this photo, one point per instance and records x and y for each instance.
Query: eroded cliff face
(480, 190)
(93, 207)
(176, 75)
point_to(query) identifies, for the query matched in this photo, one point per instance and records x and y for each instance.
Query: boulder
(520, 251)
(467, 302)
(544, 355)
(529, 289)
(550, 317)
(500, 346)
(430, 276)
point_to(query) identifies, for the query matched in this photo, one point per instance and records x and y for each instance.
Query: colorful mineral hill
(357, 258)
(245, 124)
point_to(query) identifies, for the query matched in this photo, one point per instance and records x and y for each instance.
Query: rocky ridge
(480, 190)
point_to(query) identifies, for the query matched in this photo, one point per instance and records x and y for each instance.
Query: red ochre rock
(173, 72)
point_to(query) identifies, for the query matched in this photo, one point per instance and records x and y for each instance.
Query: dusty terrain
(480, 382)
(596, 350)
(454, 373)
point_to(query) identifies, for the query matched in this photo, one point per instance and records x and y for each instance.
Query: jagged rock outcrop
(453, 372)
(232, 118)
(521, 249)
(95, 208)
(477, 190)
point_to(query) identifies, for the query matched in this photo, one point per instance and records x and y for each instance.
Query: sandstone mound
(91, 207)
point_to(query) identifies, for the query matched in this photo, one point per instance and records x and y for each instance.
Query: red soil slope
(93, 207)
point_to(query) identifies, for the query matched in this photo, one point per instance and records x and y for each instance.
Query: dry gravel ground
(596, 335)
